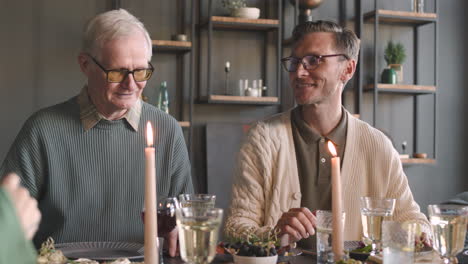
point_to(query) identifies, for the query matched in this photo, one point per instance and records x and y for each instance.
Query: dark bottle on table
(163, 98)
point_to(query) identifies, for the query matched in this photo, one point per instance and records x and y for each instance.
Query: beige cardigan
(266, 182)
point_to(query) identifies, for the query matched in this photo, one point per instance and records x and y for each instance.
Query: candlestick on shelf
(337, 209)
(227, 69)
(264, 91)
(151, 231)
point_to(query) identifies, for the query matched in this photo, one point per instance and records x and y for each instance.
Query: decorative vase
(389, 76)
(246, 12)
(305, 9)
(399, 71)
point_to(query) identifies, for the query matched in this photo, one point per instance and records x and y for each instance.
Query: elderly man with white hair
(83, 159)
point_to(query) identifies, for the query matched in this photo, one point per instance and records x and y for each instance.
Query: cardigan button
(297, 196)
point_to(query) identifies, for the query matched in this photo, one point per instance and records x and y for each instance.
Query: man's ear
(83, 61)
(348, 70)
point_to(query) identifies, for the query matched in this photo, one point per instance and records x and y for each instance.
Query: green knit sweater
(90, 185)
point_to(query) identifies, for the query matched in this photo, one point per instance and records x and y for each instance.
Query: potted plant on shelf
(238, 8)
(395, 54)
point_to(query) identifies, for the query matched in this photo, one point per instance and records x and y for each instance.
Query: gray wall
(41, 39)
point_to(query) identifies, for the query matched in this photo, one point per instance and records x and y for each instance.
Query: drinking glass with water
(324, 236)
(398, 242)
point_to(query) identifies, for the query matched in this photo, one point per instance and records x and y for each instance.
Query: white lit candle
(151, 230)
(337, 209)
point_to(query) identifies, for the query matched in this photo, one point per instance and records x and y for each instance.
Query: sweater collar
(90, 117)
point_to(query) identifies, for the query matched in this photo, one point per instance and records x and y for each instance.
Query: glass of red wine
(166, 215)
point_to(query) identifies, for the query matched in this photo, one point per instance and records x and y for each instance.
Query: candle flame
(331, 148)
(149, 134)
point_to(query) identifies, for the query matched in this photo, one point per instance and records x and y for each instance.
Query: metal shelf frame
(179, 49)
(379, 16)
(212, 23)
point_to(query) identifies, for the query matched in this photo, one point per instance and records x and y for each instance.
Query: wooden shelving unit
(230, 99)
(171, 45)
(287, 42)
(184, 124)
(413, 20)
(411, 161)
(220, 22)
(268, 27)
(402, 88)
(400, 17)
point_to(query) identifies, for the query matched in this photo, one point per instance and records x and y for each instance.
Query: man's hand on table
(298, 223)
(26, 206)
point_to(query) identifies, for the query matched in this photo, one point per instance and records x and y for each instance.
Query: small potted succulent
(238, 8)
(395, 55)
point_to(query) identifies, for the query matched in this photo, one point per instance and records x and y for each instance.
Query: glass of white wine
(199, 200)
(373, 212)
(448, 224)
(198, 233)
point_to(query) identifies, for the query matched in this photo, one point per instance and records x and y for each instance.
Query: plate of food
(101, 251)
(358, 250)
(85, 252)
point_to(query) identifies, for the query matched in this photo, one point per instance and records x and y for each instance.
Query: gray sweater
(90, 185)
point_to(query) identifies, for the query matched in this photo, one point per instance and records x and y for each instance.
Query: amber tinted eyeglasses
(119, 75)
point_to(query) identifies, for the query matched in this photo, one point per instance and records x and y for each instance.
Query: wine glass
(373, 212)
(448, 223)
(197, 200)
(166, 215)
(198, 233)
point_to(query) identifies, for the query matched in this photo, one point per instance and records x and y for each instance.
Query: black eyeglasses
(118, 76)
(309, 62)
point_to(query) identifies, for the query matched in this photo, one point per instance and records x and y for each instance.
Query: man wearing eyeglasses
(283, 171)
(83, 159)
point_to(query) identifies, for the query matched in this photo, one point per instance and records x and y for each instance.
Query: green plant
(394, 53)
(247, 243)
(233, 4)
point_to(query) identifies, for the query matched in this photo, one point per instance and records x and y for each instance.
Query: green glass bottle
(163, 98)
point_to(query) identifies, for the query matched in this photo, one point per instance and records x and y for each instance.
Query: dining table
(308, 259)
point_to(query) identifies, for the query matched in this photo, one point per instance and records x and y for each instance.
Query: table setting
(198, 223)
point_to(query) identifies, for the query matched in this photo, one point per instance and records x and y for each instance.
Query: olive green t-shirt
(14, 248)
(313, 163)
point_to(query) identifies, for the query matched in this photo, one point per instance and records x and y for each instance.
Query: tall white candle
(151, 230)
(337, 208)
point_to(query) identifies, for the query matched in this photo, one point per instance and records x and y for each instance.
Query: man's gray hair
(345, 40)
(109, 26)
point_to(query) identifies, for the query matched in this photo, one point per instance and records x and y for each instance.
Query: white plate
(255, 260)
(101, 250)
